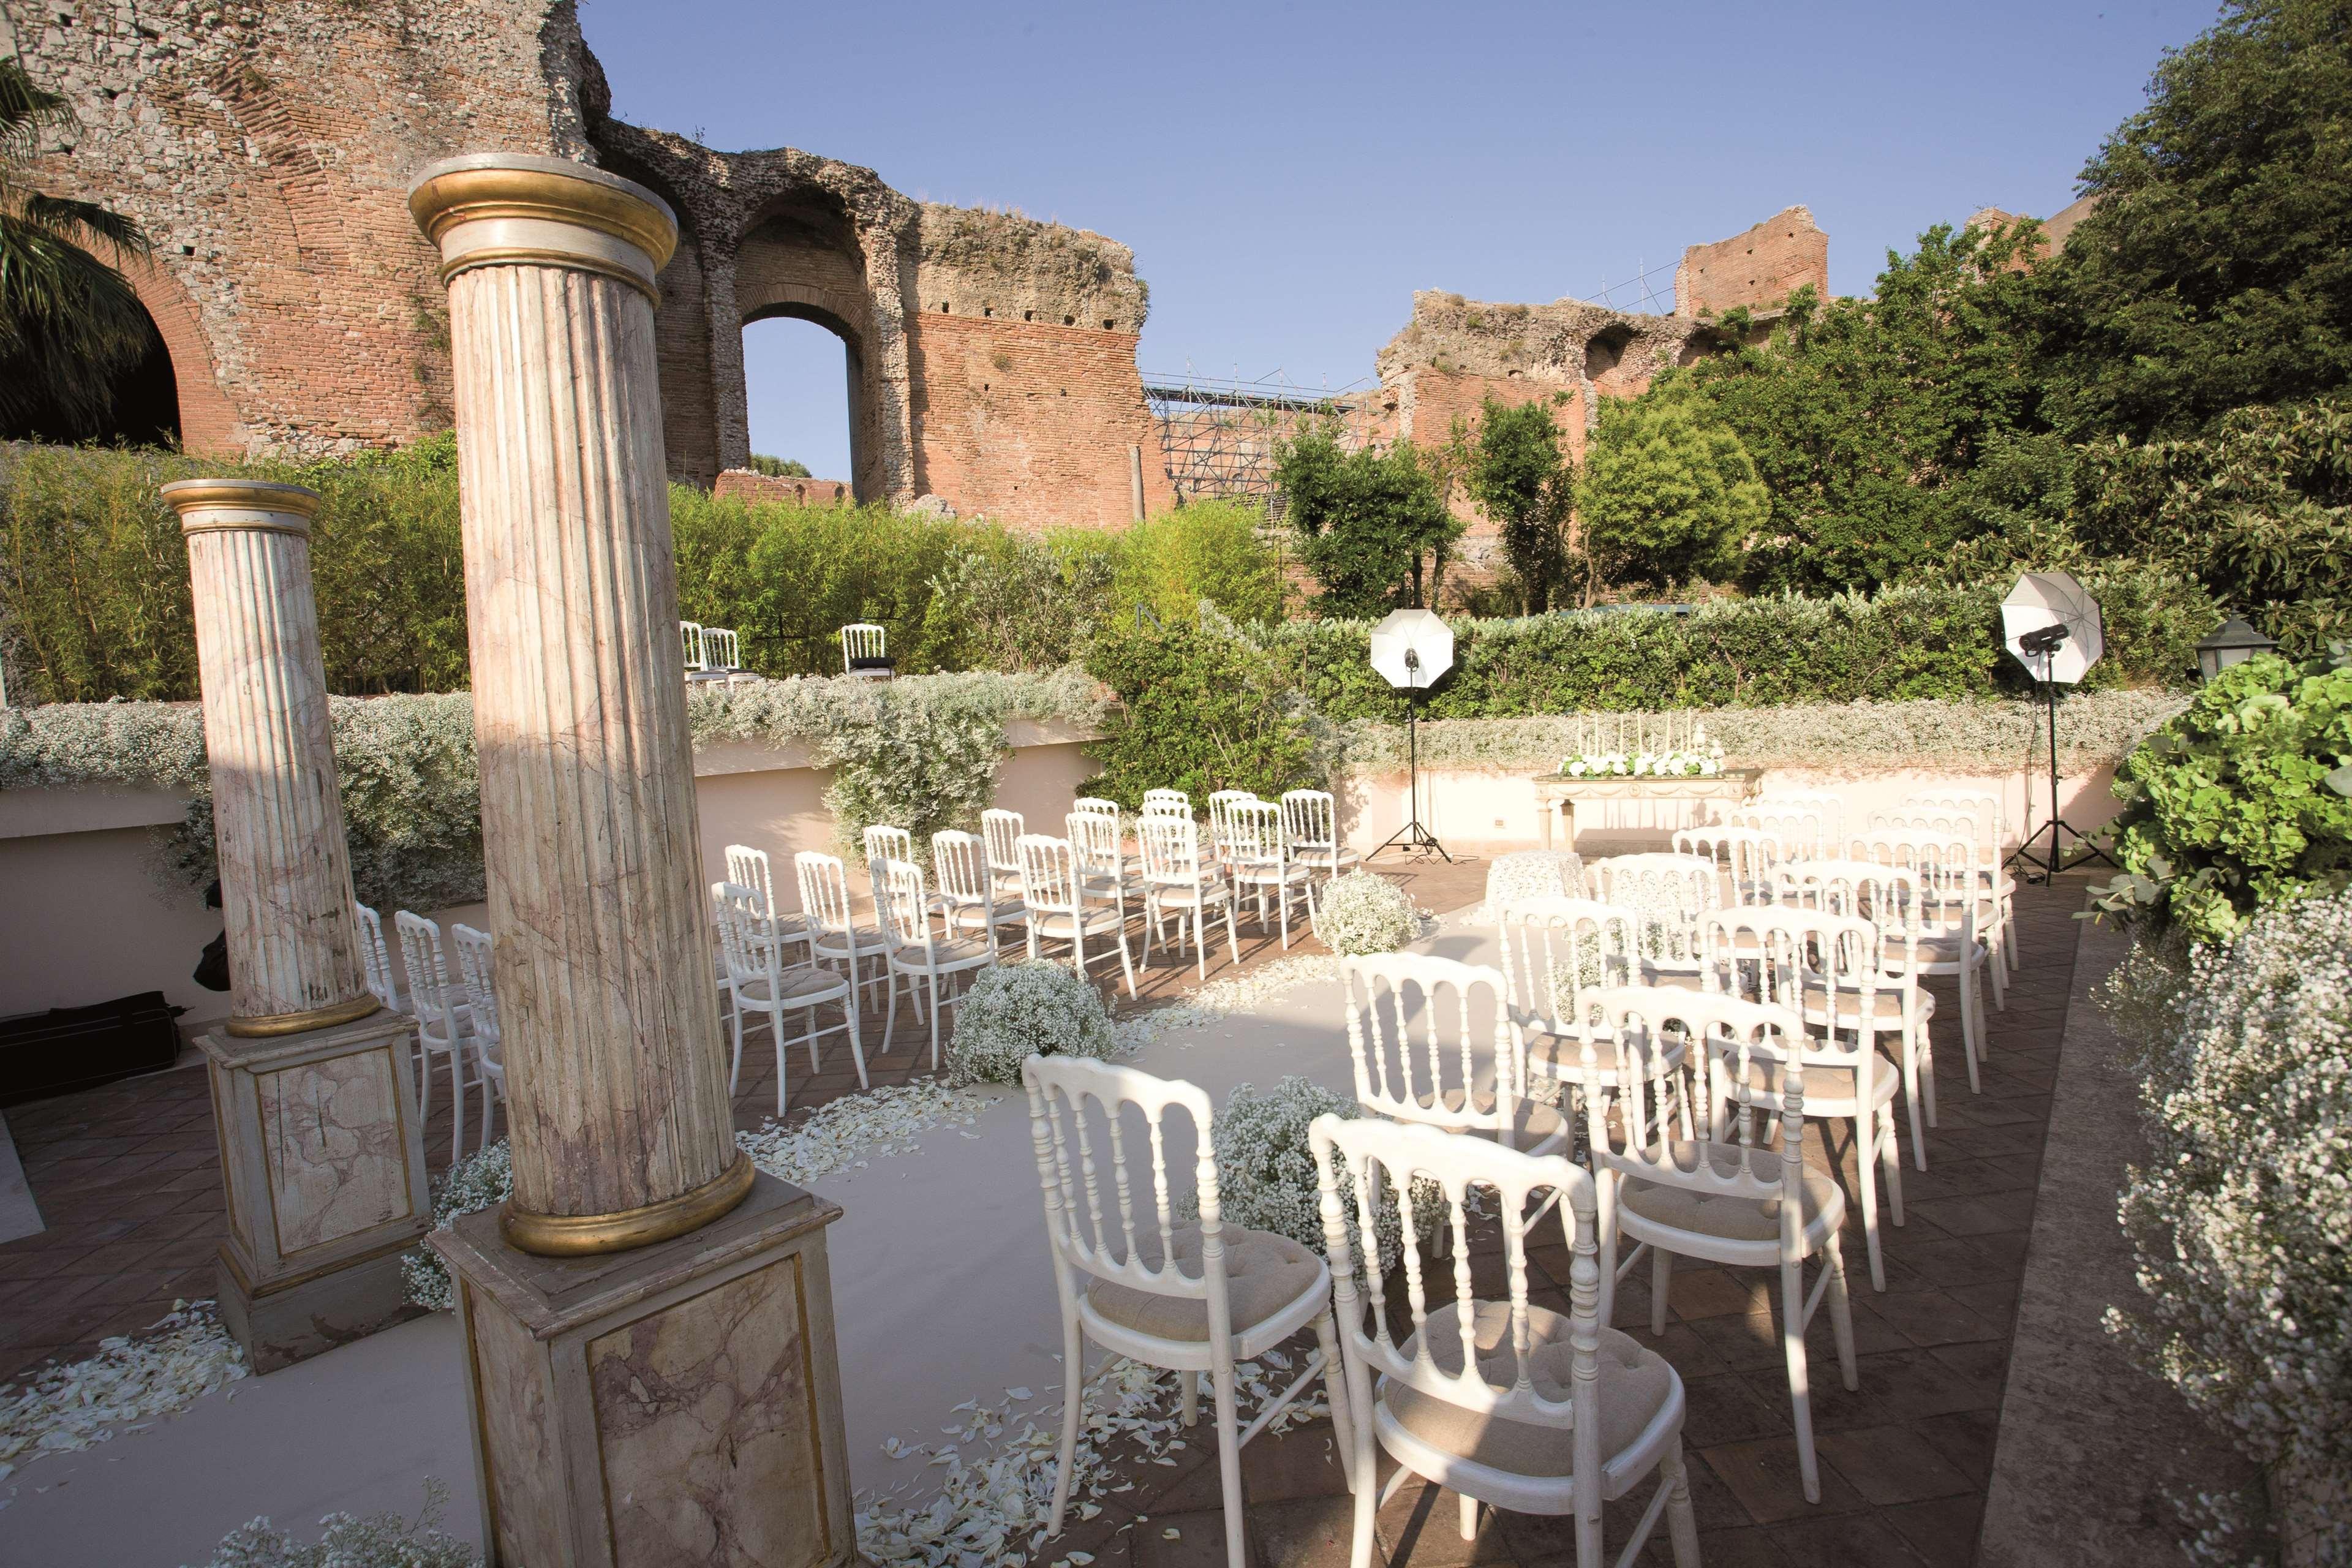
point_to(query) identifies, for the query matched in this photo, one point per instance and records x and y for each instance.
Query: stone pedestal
(324, 1164)
(678, 1403)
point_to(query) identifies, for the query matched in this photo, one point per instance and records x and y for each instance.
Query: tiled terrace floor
(126, 1178)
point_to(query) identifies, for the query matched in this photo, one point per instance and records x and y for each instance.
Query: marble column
(312, 1094)
(648, 1322)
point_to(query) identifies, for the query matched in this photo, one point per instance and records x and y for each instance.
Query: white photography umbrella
(2052, 626)
(1411, 649)
(2040, 601)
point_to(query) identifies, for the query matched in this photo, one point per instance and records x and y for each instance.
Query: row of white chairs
(457, 1014)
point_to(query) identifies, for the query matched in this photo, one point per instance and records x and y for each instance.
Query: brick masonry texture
(1756, 268)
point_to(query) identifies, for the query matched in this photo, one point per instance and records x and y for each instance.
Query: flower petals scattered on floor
(846, 1132)
(127, 1384)
(991, 1505)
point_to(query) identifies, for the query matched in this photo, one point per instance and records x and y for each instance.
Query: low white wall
(1492, 812)
(84, 919)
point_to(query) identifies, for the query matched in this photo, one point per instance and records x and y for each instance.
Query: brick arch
(208, 421)
(824, 285)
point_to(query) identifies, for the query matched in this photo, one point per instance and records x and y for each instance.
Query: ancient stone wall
(756, 488)
(1756, 268)
(266, 150)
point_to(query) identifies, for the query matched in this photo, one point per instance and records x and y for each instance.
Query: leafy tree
(1212, 550)
(1372, 526)
(2216, 270)
(1517, 478)
(1668, 493)
(1199, 711)
(779, 467)
(69, 322)
(1867, 417)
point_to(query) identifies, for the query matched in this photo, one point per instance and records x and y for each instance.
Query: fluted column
(277, 812)
(616, 1078)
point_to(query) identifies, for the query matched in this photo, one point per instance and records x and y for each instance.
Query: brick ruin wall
(267, 150)
(1756, 268)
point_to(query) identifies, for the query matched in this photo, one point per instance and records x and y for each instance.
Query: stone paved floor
(128, 1176)
(127, 1180)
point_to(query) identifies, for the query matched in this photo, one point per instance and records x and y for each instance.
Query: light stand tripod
(2043, 866)
(1414, 833)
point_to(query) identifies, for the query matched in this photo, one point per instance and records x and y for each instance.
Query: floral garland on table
(1704, 764)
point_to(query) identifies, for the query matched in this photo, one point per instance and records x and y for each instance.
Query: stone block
(678, 1402)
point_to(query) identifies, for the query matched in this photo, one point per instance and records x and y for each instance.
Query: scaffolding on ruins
(1649, 292)
(1217, 437)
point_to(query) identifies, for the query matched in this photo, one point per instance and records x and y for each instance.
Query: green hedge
(1902, 644)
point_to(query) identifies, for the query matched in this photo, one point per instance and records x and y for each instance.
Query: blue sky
(1289, 174)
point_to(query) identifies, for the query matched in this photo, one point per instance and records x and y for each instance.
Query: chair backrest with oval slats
(743, 947)
(1461, 1077)
(1310, 819)
(1803, 829)
(1361, 1164)
(1986, 807)
(748, 868)
(1050, 879)
(862, 639)
(1171, 851)
(1254, 835)
(1668, 892)
(375, 959)
(1743, 857)
(1001, 830)
(1555, 948)
(959, 865)
(903, 906)
(1095, 835)
(1167, 803)
(824, 892)
(477, 969)
(689, 637)
(430, 995)
(1220, 807)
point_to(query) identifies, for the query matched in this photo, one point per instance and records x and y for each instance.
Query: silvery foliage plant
(2241, 1220)
(1362, 913)
(1014, 1011)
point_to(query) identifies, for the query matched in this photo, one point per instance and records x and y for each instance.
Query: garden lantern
(2232, 642)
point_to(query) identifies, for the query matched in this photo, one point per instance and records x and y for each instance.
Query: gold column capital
(208, 506)
(491, 209)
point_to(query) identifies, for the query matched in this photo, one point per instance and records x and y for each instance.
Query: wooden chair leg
(1792, 1346)
(1682, 1523)
(1229, 1466)
(1073, 1406)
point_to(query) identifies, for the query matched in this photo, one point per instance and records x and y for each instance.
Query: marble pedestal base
(323, 1163)
(679, 1403)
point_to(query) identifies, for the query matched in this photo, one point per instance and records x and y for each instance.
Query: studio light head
(2047, 640)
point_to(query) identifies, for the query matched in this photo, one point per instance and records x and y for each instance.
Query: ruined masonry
(991, 356)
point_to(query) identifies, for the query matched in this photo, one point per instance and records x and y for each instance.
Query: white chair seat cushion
(1727, 1217)
(1183, 896)
(1947, 949)
(946, 950)
(868, 940)
(1257, 874)
(1826, 1085)
(1886, 1006)
(1635, 1383)
(799, 984)
(1098, 922)
(1264, 1274)
(1326, 860)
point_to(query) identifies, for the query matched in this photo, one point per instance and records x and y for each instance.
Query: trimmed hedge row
(1902, 644)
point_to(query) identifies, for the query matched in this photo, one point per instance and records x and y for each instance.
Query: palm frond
(82, 223)
(24, 108)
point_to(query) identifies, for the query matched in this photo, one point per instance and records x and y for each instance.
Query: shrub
(1667, 493)
(1519, 478)
(1200, 711)
(1265, 1170)
(1371, 525)
(1015, 1010)
(2238, 1221)
(1362, 913)
(2244, 800)
(1212, 550)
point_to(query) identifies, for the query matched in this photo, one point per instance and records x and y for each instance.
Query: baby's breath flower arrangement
(1265, 1170)
(2241, 1220)
(469, 1186)
(380, 1541)
(1362, 913)
(1014, 1011)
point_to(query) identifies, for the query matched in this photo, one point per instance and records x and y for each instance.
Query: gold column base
(326, 1017)
(574, 1236)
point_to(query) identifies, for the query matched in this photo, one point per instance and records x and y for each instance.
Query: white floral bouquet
(1362, 913)
(1266, 1171)
(1679, 765)
(1014, 1011)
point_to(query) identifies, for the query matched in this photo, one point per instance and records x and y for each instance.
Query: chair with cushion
(1258, 859)
(1541, 1412)
(1555, 951)
(1668, 892)
(1743, 857)
(445, 1023)
(863, 654)
(1167, 803)
(763, 983)
(1311, 822)
(689, 637)
(375, 959)
(1001, 832)
(967, 898)
(1903, 1009)
(1943, 916)
(1220, 804)
(917, 952)
(1178, 881)
(1061, 908)
(1806, 828)
(477, 972)
(1727, 1200)
(1466, 1072)
(835, 937)
(1994, 889)
(1129, 1278)
(1102, 853)
(1989, 815)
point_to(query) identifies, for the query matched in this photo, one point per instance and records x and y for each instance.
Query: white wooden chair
(763, 983)
(863, 653)
(1220, 804)
(916, 951)
(1177, 881)
(1258, 860)
(1804, 829)
(1461, 1078)
(967, 898)
(445, 1023)
(1167, 803)
(722, 651)
(1733, 1200)
(1825, 968)
(1555, 949)
(1506, 1403)
(1102, 855)
(1669, 892)
(1943, 917)
(1534, 874)
(1311, 822)
(1059, 906)
(1097, 803)
(1885, 896)
(478, 972)
(1993, 888)
(835, 937)
(1001, 831)
(748, 867)
(1191, 1297)
(375, 959)
(689, 637)
(1990, 811)
(1743, 857)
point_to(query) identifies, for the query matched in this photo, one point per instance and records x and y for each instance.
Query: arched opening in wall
(800, 379)
(1605, 351)
(142, 400)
